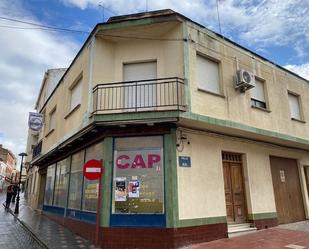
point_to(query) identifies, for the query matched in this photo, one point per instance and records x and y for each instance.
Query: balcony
(37, 149)
(164, 94)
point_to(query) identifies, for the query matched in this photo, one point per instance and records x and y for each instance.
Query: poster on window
(133, 189)
(120, 189)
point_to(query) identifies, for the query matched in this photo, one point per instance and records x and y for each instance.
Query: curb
(28, 229)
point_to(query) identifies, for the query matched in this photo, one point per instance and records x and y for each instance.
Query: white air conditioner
(244, 80)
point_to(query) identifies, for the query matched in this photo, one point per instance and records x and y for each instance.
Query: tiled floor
(273, 238)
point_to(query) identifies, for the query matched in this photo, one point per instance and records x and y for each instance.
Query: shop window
(61, 183)
(49, 187)
(258, 95)
(138, 176)
(207, 74)
(91, 187)
(76, 181)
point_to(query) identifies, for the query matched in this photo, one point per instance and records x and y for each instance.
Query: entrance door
(288, 196)
(234, 188)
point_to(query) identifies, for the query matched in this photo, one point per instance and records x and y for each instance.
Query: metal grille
(143, 95)
(231, 157)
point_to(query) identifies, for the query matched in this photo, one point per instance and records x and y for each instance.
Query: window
(144, 93)
(52, 120)
(306, 169)
(138, 176)
(76, 93)
(207, 74)
(258, 94)
(76, 181)
(49, 187)
(61, 183)
(294, 106)
(91, 187)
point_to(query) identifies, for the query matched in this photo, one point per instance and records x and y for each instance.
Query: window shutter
(207, 74)
(294, 106)
(140, 71)
(258, 91)
(76, 93)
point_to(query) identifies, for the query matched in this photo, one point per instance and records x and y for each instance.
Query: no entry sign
(92, 169)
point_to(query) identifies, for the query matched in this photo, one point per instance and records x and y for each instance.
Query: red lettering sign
(138, 161)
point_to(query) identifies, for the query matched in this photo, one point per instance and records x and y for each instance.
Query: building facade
(196, 134)
(8, 172)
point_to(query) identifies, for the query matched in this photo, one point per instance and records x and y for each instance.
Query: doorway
(234, 188)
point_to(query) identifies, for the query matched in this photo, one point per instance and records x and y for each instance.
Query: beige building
(199, 137)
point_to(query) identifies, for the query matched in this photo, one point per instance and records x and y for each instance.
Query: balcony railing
(137, 96)
(37, 149)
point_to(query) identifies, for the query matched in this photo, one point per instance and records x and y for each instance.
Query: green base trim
(235, 125)
(202, 221)
(262, 216)
(135, 116)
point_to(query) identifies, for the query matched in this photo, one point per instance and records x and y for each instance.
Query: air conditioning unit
(244, 80)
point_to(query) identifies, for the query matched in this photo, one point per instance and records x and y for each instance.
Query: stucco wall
(201, 186)
(235, 106)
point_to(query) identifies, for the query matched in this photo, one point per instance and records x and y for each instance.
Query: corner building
(187, 156)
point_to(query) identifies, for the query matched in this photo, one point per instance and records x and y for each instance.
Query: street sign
(35, 121)
(92, 169)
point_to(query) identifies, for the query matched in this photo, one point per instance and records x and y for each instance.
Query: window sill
(260, 108)
(50, 132)
(70, 112)
(298, 120)
(215, 94)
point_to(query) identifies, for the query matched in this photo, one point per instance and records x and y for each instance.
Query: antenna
(217, 2)
(103, 10)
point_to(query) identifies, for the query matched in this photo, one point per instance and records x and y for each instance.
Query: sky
(275, 29)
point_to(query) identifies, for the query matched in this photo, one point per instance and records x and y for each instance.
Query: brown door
(234, 190)
(288, 196)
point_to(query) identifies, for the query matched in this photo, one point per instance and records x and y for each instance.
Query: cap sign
(92, 169)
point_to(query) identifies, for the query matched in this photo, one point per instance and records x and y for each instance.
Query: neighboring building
(9, 161)
(30, 177)
(186, 155)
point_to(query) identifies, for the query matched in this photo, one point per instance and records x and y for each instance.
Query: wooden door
(234, 192)
(288, 196)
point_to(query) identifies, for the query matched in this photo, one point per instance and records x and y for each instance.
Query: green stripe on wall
(201, 221)
(107, 181)
(170, 170)
(235, 125)
(262, 216)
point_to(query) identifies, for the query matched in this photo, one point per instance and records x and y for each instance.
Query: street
(13, 234)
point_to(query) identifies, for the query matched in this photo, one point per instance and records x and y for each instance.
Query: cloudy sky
(275, 29)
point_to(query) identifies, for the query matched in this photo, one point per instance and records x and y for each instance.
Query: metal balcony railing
(37, 149)
(143, 95)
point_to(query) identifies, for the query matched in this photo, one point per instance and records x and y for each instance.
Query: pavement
(31, 229)
(43, 231)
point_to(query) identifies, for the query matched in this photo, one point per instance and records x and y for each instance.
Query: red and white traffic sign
(92, 169)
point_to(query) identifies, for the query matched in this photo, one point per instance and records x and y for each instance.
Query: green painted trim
(106, 181)
(262, 216)
(235, 125)
(135, 116)
(137, 22)
(186, 65)
(170, 171)
(202, 221)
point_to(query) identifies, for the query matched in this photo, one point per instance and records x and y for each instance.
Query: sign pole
(97, 228)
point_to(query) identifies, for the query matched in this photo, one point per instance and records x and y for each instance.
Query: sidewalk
(53, 235)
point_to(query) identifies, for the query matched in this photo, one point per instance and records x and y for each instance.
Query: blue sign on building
(184, 161)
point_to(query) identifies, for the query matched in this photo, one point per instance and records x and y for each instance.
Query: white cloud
(253, 23)
(302, 70)
(25, 56)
